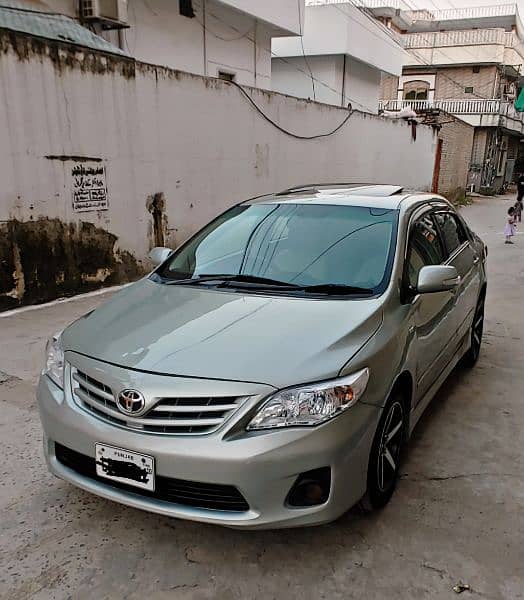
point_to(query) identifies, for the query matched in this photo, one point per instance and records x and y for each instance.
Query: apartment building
(469, 63)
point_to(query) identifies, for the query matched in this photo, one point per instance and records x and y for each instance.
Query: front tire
(384, 459)
(477, 330)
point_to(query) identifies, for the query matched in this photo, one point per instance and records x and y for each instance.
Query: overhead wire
(351, 111)
(303, 50)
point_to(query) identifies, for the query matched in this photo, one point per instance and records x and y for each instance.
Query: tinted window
(304, 244)
(452, 232)
(424, 248)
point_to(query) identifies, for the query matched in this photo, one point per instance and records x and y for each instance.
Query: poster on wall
(89, 186)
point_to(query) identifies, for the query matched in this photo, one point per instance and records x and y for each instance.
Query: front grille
(166, 416)
(212, 496)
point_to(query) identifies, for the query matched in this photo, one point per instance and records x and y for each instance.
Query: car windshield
(342, 249)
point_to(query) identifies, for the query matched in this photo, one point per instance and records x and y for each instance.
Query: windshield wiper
(336, 289)
(227, 278)
(265, 283)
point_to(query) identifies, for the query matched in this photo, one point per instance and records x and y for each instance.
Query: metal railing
(393, 4)
(474, 12)
(458, 107)
(469, 37)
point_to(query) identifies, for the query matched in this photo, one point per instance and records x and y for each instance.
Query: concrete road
(457, 516)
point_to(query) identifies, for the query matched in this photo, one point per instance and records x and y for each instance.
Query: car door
(432, 314)
(461, 255)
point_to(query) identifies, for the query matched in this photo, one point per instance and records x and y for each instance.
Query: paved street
(457, 515)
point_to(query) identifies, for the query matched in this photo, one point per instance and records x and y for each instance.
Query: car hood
(207, 333)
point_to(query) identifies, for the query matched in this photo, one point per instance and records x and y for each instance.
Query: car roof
(382, 196)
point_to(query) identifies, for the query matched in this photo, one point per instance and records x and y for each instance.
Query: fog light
(311, 488)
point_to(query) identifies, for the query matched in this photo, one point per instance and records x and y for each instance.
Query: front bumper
(262, 466)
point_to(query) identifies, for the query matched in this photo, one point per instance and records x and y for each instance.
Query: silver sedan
(269, 372)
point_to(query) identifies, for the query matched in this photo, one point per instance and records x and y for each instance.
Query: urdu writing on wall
(89, 187)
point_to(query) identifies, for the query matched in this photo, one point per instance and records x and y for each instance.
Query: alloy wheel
(477, 330)
(390, 447)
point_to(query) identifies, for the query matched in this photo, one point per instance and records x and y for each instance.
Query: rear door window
(452, 232)
(424, 248)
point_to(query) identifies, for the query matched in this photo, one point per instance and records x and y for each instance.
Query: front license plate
(125, 466)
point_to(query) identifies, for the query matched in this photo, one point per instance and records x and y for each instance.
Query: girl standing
(511, 226)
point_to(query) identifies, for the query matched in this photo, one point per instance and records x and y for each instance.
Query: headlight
(54, 365)
(310, 404)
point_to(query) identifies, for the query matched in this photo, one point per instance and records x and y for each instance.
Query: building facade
(469, 63)
(230, 39)
(339, 60)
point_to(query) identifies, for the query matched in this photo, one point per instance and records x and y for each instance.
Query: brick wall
(457, 142)
(482, 82)
(388, 87)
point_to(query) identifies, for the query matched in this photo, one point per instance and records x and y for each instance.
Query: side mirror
(158, 255)
(437, 278)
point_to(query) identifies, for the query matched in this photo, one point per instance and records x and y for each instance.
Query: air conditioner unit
(109, 13)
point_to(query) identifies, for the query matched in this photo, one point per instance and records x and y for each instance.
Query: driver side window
(424, 248)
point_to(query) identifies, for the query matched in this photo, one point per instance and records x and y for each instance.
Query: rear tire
(477, 330)
(384, 458)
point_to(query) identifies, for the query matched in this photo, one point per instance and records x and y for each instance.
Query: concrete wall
(166, 150)
(457, 142)
(291, 76)
(360, 84)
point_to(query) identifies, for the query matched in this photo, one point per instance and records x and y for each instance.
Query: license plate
(125, 466)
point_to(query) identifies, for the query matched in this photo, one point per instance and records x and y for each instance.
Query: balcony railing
(394, 4)
(470, 107)
(471, 37)
(474, 12)
(458, 107)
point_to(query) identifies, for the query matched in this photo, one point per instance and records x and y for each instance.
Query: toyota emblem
(130, 402)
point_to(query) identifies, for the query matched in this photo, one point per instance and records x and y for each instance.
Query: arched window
(416, 90)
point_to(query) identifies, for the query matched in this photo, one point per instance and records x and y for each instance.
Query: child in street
(511, 225)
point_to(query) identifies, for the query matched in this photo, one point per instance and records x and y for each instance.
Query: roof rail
(374, 189)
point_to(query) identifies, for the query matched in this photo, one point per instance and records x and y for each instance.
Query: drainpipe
(121, 39)
(344, 82)
(204, 34)
(255, 51)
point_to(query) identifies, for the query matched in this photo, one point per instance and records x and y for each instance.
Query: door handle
(476, 260)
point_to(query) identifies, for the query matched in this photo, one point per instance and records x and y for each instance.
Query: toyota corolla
(269, 371)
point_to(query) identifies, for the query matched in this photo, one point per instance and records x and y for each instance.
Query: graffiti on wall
(89, 186)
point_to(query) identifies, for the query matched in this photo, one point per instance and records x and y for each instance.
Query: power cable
(303, 51)
(351, 111)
